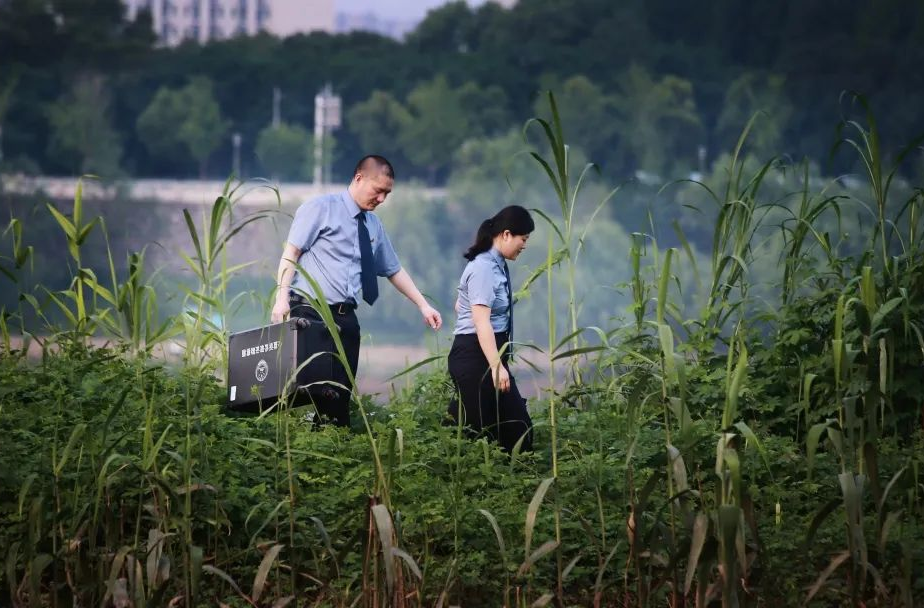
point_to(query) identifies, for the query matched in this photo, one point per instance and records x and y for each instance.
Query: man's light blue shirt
(483, 282)
(325, 230)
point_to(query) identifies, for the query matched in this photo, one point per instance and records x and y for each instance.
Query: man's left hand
(431, 317)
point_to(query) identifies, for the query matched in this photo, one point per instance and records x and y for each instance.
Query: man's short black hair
(370, 161)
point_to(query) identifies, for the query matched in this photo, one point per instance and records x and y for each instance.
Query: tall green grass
(689, 456)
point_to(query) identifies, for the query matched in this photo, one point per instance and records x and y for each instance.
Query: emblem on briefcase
(262, 370)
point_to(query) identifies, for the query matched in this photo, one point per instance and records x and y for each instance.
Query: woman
(478, 360)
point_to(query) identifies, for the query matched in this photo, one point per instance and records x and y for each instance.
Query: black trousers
(501, 416)
(323, 366)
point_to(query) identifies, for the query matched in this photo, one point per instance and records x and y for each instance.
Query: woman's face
(511, 245)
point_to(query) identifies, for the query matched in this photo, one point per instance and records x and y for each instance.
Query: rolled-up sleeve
(481, 285)
(306, 225)
(386, 260)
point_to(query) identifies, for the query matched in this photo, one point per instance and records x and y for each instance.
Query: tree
(440, 124)
(378, 123)
(204, 128)
(157, 125)
(284, 151)
(447, 29)
(488, 108)
(81, 129)
(748, 94)
(186, 120)
(587, 115)
(6, 94)
(490, 172)
(659, 122)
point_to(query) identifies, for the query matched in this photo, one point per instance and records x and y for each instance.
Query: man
(342, 245)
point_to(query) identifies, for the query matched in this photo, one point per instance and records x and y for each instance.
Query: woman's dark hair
(514, 218)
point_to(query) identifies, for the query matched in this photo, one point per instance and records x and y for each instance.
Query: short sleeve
(306, 225)
(386, 260)
(481, 285)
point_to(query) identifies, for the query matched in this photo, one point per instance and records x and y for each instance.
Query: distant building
(203, 20)
(370, 22)
(387, 26)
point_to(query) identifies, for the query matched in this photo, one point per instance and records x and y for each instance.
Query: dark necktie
(509, 310)
(367, 277)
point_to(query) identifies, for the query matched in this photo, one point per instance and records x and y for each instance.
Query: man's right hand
(280, 310)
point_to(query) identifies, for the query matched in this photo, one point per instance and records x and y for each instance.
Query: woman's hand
(501, 378)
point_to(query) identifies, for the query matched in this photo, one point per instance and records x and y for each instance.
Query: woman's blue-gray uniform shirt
(483, 282)
(326, 230)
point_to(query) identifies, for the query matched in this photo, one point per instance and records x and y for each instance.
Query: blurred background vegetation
(662, 87)
(651, 92)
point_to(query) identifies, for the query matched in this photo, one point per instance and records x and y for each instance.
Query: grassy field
(727, 440)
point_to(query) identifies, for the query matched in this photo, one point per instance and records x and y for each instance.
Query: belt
(341, 308)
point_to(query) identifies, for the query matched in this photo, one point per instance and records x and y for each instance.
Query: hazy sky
(395, 9)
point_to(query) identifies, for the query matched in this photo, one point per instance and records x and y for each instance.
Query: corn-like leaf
(155, 549)
(115, 569)
(666, 339)
(568, 568)
(225, 577)
(729, 517)
(196, 559)
(532, 511)
(748, 434)
(543, 550)
(497, 534)
(663, 285)
(811, 444)
(76, 434)
(416, 366)
(698, 540)
(543, 600)
(839, 559)
(24, 489)
(267, 519)
(259, 580)
(411, 563)
(735, 387)
(65, 223)
(576, 352)
(386, 533)
(887, 524)
(678, 468)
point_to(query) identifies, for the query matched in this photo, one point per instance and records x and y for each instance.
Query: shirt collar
(349, 204)
(497, 256)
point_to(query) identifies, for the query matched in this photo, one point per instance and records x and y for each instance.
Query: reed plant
(688, 457)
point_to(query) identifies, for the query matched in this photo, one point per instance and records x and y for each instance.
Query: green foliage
(717, 64)
(285, 152)
(747, 95)
(186, 120)
(587, 110)
(759, 450)
(82, 129)
(439, 124)
(656, 115)
(377, 122)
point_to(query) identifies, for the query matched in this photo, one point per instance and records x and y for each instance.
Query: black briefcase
(261, 363)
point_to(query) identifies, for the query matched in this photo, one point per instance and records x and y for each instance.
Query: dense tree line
(662, 87)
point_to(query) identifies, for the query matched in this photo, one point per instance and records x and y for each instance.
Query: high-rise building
(203, 20)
